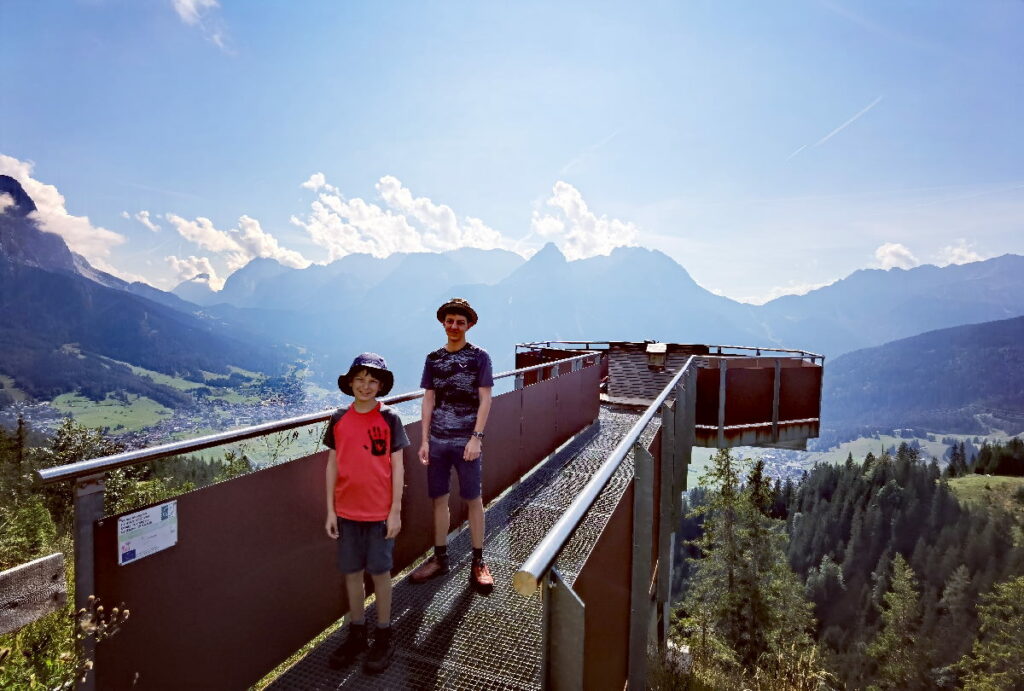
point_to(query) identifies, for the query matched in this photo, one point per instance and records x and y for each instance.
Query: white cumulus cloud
(579, 232)
(404, 224)
(92, 242)
(143, 218)
(894, 255)
(237, 246)
(443, 229)
(192, 267)
(316, 182)
(959, 253)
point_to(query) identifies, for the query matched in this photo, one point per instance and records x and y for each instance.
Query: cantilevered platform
(450, 637)
(249, 576)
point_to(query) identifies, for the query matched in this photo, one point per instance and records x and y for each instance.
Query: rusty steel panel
(253, 576)
(250, 579)
(539, 422)
(800, 393)
(748, 394)
(417, 534)
(530, 358)
(501, 445)
(790, 435)
(590, 384)
(707, 396)
(604, 586)
(577, 400)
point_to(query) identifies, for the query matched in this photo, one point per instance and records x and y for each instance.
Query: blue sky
(767, 147)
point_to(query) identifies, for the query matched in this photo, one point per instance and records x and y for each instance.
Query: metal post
(88, 503)
(666, 524)
(686, 417)
(722, 367)
(679, 436)
(520, 381)
(775, 400)
(639, 599)
(564, 611)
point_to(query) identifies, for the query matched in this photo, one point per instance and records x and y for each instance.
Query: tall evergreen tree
(744, 603)
(895, 648)
(996, 660)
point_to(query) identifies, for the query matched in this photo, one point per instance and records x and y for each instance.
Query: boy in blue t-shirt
(364, 503)
(457, 380)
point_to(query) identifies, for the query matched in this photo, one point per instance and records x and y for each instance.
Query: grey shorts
(445, 455)
(363, 547)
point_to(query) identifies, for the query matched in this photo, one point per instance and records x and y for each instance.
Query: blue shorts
(445, 455)
(363, 547)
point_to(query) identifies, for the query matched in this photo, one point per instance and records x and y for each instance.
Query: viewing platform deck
(450, 637)
(582, 498)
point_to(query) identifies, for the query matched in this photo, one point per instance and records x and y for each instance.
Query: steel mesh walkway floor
(449, 637)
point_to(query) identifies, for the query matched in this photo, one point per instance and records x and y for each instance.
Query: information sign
(146, 532)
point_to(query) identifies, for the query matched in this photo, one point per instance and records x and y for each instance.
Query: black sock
(441, 552)
(478, 554)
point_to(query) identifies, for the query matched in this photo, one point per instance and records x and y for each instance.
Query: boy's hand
(331, 525)
(473, 449)
(394, 525)
(425, 452)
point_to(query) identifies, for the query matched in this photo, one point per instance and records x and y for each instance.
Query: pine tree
(996, 660)
(956, 621)
(895, 647)
(744, 603)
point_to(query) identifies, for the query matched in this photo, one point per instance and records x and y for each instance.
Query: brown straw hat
(457, 306)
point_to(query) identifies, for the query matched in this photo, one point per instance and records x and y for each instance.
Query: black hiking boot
(351, 648)
(381, 651)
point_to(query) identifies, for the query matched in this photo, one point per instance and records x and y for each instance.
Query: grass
(255, 376)
(160, 378)
(140, 412)
(991, 491)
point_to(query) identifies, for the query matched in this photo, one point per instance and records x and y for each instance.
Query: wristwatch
(478, 435)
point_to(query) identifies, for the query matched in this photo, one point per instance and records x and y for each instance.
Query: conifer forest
(869, 574)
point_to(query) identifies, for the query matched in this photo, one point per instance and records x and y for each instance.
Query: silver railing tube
(529, 575)
(73, 471)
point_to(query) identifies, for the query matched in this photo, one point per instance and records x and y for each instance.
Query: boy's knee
(441, 502)
(355, 576)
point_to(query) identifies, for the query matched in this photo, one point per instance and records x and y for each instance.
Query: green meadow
(138, 413)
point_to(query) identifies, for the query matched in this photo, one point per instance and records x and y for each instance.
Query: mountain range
(66, 325)
(266, 312)
(966, 379)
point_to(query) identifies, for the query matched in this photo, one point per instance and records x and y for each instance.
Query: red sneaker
(431, 568)
(480, 577)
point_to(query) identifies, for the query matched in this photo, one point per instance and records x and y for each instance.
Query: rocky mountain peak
(23, 204)
(22, 240)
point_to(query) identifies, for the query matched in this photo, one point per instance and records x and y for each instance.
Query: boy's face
(456, 326)
(365, 386)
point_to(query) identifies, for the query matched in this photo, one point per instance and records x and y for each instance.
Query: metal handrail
(803, 353)
(73, 471)
(543, 556)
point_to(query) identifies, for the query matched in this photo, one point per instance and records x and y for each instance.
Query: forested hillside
(960, 380)
(903, 580)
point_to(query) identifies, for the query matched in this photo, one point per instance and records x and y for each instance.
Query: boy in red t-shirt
(364, 502)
